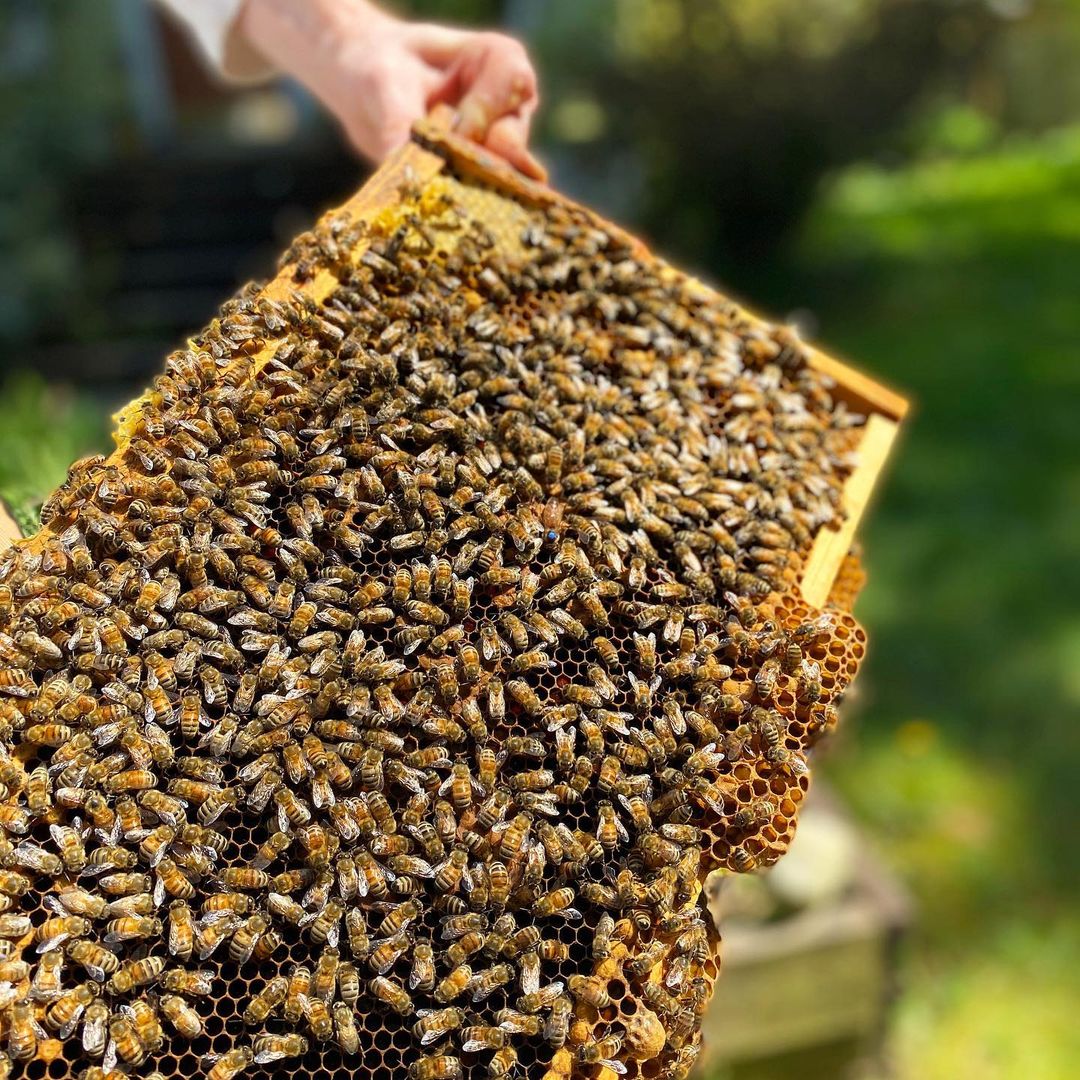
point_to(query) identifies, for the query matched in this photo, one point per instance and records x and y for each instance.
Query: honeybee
(131, 780)
(192, 983)
(319, 1019)
(63, 1015)
(356, 931)
(484, 983)
(454, 984)
(553, 951)
(293, 999)
(136, 973)
(590, 989)
(144, 1019)
(556, 902)
(38, 791)
(246, 938)
(23, 1031)
(602, 1052)
(32, 857)
(436, 1067)
(765, 678)
(517, 1023)
(230, 1065)
(125, 1041)
(460, 784)
(391, 993)
(111, 857)
(433, 1024)
(95, 961)
(514, 836)
(266, 1001)
(349, 983)
(95, 1028)
(325, 926)
(348, 1038)
(324, 978)
(129, 928)
(46, 982)
(452, 871)
(542, 999)
(270, 1048)
(742, 861)
(184, 1019)
(172, 880)
(754, 814)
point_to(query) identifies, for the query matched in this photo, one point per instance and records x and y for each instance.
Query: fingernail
(473, 118)
(536, 168)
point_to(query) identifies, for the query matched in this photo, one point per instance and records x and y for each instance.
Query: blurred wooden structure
(9, 530)
(808, 995)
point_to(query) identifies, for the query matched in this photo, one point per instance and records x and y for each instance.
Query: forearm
(213, 27)
(304, 37)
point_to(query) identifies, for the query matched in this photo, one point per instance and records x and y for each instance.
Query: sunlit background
(901, 178)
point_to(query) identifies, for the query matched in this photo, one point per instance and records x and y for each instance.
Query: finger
(509, 138)
(439, 46)
(496, 78)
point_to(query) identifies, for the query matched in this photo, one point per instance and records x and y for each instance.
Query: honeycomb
(383, 702)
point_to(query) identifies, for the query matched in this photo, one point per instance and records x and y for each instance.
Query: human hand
(378, 74)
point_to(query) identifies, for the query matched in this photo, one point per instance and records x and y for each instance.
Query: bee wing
(614, 1066)
(108, 1062)
(530, 979)
(96, 972)
(571, 914)
(264, 1057)
(545, 804)
(163, 848)
(55, 904)
(92, 1035)
(469, 1045)
(51, 943)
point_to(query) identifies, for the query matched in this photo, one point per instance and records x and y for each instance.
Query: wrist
(304, 37)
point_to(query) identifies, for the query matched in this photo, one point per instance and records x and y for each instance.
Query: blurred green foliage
(45, 428)
(61, 102)
(953, 279)
(731, 113)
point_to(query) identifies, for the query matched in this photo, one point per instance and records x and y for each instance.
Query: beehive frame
(828, 574)
(434, 148)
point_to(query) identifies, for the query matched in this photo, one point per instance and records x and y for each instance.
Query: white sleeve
(212, 25)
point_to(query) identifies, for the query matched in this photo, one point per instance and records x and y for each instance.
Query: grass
(46, 427)
(955, 280)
